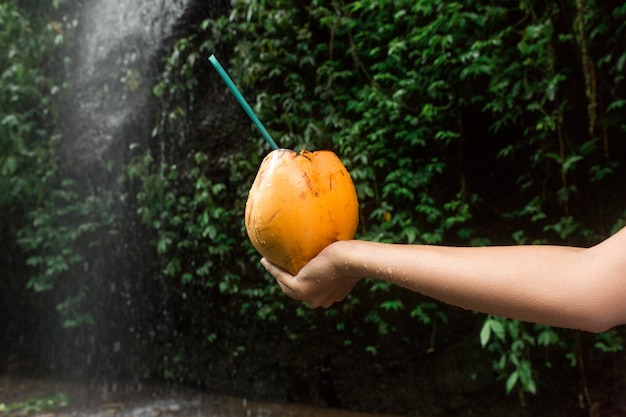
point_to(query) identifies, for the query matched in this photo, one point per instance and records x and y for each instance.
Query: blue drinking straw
(229, 82)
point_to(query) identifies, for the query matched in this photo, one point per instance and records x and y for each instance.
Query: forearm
(545, 284)
(555, 285)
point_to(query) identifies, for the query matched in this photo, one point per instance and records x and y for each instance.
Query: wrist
(346, 258)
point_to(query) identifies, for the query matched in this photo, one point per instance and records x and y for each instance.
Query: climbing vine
(466, 123)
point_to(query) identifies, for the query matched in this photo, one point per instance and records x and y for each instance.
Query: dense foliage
(461, 123)
(27, 132)
(44, 212)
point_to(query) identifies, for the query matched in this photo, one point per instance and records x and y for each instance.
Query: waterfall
(117, 57)
(116, 61)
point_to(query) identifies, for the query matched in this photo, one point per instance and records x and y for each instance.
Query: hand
(320, 282)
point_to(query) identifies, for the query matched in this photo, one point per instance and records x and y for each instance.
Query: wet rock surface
(43, 397)
(114, 399)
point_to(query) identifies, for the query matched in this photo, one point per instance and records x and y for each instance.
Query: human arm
(561, 286)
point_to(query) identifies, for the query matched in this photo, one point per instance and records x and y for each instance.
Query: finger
(288, 284)
(282, 278)
(288, 291)
(277, 272)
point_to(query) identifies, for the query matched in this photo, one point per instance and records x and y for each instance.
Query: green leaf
(570, 162)
(547, 337)
(485, 333)
(492, 326)
(371, 349)
(392, 305)
(187, 278)
(511, 381)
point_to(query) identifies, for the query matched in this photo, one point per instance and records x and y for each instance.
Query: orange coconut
(300, 203)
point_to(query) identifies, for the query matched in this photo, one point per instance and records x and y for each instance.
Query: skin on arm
(583, 288)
